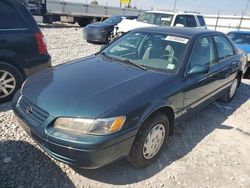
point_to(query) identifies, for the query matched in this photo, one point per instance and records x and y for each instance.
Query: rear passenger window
(10, 18)
(201, 20)
(224, 48)
(191, 21)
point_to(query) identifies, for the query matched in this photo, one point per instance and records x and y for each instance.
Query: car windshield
(152, 51)
(113, 19)
(156, 18)
(240, 38)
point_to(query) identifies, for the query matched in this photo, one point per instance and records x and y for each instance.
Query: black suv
(23, 51)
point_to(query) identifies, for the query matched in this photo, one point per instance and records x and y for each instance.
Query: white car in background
(160, 18)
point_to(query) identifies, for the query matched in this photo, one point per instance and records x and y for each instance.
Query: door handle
(235, 65)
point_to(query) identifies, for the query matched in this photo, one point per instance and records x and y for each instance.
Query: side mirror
(102, 47)
(179, 25)
(198, 69)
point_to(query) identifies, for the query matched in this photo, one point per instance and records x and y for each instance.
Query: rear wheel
(229, 95)
(10, 81)
(150, 141)
(247, 74)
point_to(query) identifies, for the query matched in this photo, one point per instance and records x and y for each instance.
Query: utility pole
(245, 12)
(175, 1)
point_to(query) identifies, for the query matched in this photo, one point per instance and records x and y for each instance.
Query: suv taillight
(41, 45)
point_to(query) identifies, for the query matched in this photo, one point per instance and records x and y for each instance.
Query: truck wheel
(48, 19)
(10, 81)
(84, 21)
(150, 140)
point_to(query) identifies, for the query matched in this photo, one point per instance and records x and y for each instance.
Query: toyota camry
(124, 101)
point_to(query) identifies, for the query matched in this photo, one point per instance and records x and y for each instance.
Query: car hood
(244, 47)
(128, 25)
(88, 87)
(99, 25)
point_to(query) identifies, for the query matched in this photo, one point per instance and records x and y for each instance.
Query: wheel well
(14, 64)
(239, 76)
(169, 112)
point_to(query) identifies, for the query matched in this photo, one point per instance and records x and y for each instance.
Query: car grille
(33, 114)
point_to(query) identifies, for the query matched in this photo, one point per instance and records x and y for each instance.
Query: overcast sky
(204, 6)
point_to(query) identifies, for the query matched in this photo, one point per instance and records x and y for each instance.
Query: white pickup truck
(160, 18)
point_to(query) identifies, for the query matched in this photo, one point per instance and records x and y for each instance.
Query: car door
(227, 65)
(198, 88)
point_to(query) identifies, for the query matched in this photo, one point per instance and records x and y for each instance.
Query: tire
(229, 95)
(10, 81)
(139, 156)
(84, 22)
(247, 74)
(108, 38)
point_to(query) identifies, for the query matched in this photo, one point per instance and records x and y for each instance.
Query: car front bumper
(95, 36)
(91, 154)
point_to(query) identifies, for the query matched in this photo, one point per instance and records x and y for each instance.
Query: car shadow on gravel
(187, 135)
(4, 107)
(23, 165)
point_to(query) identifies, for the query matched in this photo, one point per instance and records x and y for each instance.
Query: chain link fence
(226, 23)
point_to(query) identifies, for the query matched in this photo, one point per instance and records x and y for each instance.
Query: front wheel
(150, 141)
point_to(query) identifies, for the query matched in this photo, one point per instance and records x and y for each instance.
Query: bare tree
(94, 2)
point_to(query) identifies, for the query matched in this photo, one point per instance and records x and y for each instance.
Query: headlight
(90, 126)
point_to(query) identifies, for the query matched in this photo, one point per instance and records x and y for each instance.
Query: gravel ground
(209, 150)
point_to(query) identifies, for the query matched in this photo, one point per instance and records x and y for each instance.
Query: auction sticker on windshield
(177, 39)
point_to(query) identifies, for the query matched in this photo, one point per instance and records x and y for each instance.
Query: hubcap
(7, 83)
(233, 88)
(110, 38)
(154, 141)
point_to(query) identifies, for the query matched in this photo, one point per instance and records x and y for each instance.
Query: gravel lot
(209, 150)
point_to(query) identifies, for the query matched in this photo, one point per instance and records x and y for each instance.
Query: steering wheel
(165, 56)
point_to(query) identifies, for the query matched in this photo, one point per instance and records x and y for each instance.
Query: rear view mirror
(198, 69)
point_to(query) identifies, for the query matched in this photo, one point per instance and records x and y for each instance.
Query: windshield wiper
(105, 55)
(122, 60)
(134, 64)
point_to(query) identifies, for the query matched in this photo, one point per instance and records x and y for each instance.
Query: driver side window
(203, 53)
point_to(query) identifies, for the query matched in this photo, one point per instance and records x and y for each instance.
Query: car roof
(183, 31)
(120, 15)
(241, 32)
(176, 13)
(19, 7)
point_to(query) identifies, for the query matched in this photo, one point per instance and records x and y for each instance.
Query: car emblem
(29, 110)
